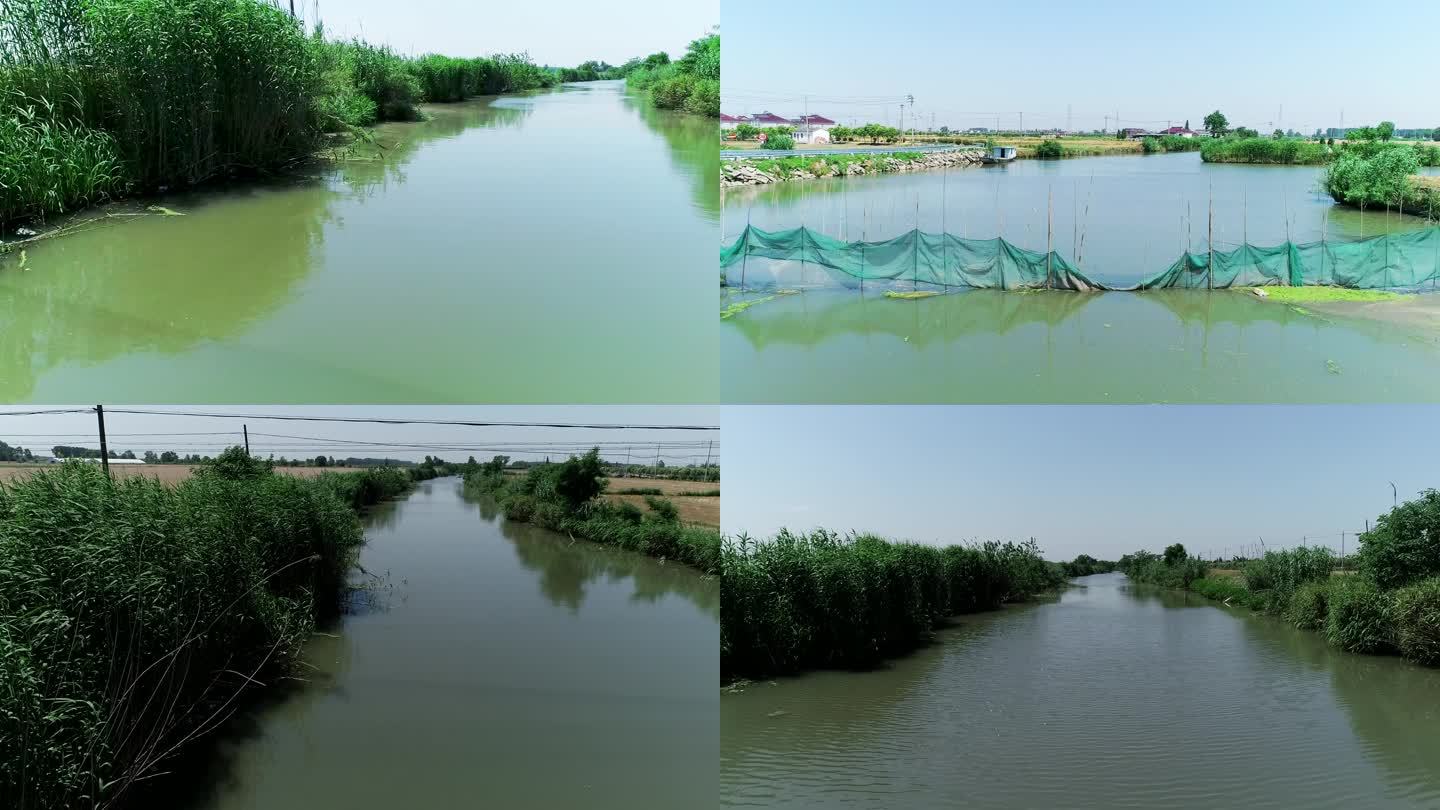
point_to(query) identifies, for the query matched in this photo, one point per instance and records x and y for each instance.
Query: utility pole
(246, 429)
(104, 448)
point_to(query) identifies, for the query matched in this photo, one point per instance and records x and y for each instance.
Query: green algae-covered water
(513, 249)
(1126, 217)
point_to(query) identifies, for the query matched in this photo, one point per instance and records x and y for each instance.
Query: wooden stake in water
(864, 226)
(1050, 239)
(1210, 240)
(915, 258)
(745, 258)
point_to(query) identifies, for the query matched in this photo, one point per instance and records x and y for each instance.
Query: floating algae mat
(989, 346)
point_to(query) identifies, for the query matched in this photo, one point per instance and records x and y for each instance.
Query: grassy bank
(134, 614)
(1296, 151)
(690, 84)
(111, 97)
(1390, 605)
(565, 498)
(807, 601)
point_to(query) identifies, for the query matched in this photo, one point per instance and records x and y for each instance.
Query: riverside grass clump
(690, 84)
(564, 498)
(1391, 604)
(1296, 151)
(135, 614)
(99, 98)
(1174, 569)
(804, 601)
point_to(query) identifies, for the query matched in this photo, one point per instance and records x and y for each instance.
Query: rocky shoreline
(747, 171)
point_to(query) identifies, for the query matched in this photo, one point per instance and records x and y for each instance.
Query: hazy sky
(555, 32)
(1153, 62)
(1102, 480)
(39, 433)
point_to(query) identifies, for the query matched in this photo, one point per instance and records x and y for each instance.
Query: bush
(1404, 545)
(1309, 605)
(691, 84)
(1049, 150)
(1417, 621)
(1360, 617)
(662, 509)
(778, 142)
(1279, 573)
(1263, 150)
(1223, 589)
(1372, 176)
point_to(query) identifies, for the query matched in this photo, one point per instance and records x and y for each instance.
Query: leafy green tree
(236, 464)
(169, 457)
(944, 130)
(778, 142)
(747, 132)
(1278, 134)
(495, 466)
(1246, 132)
(1385, 130)
(580, 479)
(1175, 554)
(1403, 547)
(8, 453)
(1216, 124)
(151, 458)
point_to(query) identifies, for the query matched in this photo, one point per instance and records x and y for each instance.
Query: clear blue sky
(555, 32)
(1151, 61)
(1102, 480)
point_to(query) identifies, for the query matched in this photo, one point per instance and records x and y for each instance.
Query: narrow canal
(507, 230)
(489, 664)
(1112, 695)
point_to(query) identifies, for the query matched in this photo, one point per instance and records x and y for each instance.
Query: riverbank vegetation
(1264, 150)
(690, 84)
(134, 615)
(105, 98)
(1390, 605)
(820, 600)
(1085, 565)
(565, 497)
(1374, 175)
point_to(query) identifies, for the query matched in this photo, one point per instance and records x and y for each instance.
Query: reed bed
(564, 498)
(136, 615)
(821, 600)
(106, 97)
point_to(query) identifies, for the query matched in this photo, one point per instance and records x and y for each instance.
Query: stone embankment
(781, 168)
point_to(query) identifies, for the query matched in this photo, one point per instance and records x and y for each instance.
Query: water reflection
(338, 287)
(1053, 346)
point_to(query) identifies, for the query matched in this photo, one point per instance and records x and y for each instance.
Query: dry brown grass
(167, 473)
(702, 510)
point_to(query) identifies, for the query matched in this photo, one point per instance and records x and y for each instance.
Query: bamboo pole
(1050, 239)
(1210, 240)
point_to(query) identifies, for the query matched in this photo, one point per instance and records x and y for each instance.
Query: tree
(494, 466)
(235, 464)
(580, 479)
(151, 458)
(321, 461)
(8, 453)
(1278, 134)
(747, 132)
(1216, 124)
(1385, 131)
(1175, 554)
(1435, 136)
(169, 457)
(1187, 123)
(946, 131)
(128, 454)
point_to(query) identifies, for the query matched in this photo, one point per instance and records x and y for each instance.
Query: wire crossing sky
(1285, 64)
(646, 434)
(1102, 480)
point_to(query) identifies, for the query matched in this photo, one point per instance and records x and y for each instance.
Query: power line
(397, 420)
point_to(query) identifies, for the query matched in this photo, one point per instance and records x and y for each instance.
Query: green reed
(803, 601)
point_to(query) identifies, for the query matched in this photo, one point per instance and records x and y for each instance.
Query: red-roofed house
(768, 119)
(1181, 131)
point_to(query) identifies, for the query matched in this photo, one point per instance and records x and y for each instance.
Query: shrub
(1049, 150)
(1360, 617)
(778, 142)
(1404, 545)
(662, 509)
(520, 508)
(1222, 589)
(1417, 621)
(1309, 605)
